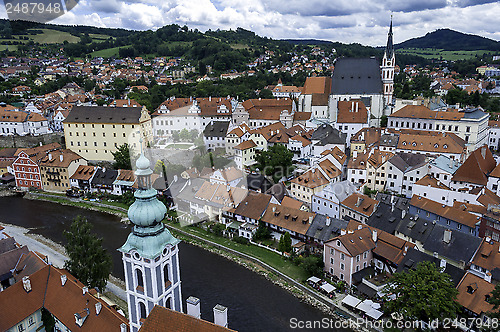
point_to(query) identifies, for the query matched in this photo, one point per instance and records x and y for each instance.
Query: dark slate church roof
(216, 129)
(385, 218)
(356, 76)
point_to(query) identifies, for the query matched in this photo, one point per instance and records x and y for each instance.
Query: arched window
(168, 303)
(142, 310)
(166, 279)
(140, 279)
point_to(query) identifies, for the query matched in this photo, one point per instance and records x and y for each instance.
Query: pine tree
(122, 157)
(88, 261)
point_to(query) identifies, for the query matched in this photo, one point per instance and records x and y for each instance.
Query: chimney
(487, 277)
(488, 239)
(342, 232)
(220, 315)
(360, 200)
(85, 289)
(374, 236)
(352, 107)
(311, 219)
(61, 157)
(123, 327)
(435, 254)
(210, 98)
(64, 278)
(483, 152)
(50, 156)
(27, 284)
(357, 106)
(355, 154)
(327, 220)
(442, 264)
(447, 236)
(98, 307)
(274, 208)
(360, 227)
(193, 307)
(403, 214)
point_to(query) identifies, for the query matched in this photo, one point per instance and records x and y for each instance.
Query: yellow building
(57, 167)
(94, 132)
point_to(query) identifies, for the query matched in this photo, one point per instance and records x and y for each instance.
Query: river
(254, 303)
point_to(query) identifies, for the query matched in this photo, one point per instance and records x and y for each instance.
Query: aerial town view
(249, 166)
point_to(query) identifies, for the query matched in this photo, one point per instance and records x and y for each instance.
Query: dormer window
(338, 243)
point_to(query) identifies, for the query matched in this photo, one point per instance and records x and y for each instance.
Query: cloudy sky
(347, 21)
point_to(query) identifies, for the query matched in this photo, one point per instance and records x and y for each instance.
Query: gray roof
(389, 140)
(407, 161)
(474, 113)
(278, 190)
(356, 76)
(7, 244)
(413, 257)
(385, 218)
(256, 181)
(461, 248)
(416, 229)
(402, 203)
(322, 233)
(101, 114)
(326, 134)
(216, 129)
(104, 177)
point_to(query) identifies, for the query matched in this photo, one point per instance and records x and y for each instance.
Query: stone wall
(30, 141)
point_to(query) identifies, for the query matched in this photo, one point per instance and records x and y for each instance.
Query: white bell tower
(150, 255)
(387, 69)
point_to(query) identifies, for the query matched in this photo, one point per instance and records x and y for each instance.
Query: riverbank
(275, 269)
(56, 254)
(88, 205)
(302, 292)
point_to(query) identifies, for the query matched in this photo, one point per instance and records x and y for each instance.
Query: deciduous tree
(424, 294)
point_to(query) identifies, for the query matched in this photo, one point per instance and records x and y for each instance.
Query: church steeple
(150, 255)
(389, 49)
(387, 70)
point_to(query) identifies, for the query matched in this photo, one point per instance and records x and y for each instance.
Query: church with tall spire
(387, 69)
(150, 255)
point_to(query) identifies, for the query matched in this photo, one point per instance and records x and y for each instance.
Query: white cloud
(350, 21)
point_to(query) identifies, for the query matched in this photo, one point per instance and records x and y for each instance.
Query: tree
(495, 301)
(424, 294)
(88, 261)
(285, 244)
(383, 121)
(312, 265)
(275, 162)
(262, 232)
(122, 157)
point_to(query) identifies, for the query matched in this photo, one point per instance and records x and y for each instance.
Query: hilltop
(451, 40)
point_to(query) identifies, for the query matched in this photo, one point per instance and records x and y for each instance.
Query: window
(357, 258)
(166, 279)
(365, 254)
(342, 256)
(342, 266)
(140, 280)
(31, 321)
(331, 260)
(20, 328)
(142, 310)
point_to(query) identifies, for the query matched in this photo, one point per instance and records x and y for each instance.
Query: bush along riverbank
(266, 273)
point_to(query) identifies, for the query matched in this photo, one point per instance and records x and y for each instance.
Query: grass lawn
(430, 53)
(80, 204)
(107, 52)
(53, 36)
(98, 37)
(266, 256)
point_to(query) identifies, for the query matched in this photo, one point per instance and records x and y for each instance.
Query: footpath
(56, 254)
